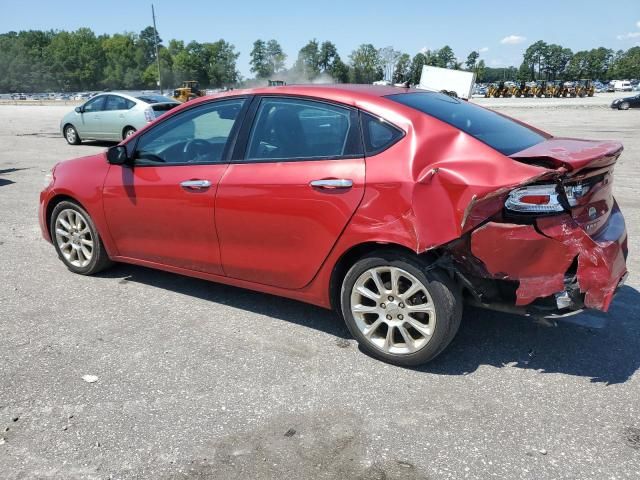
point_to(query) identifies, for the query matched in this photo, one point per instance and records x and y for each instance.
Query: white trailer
(458, 81)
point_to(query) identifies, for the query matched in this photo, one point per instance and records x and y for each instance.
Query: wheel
(76, 240)
(71, 135)
(128, 131)
(624, 106)
(399, 311)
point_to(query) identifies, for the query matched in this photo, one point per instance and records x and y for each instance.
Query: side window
(115, 102)
(198, 135)
(95, 104)
(378, 134)
(289, 128)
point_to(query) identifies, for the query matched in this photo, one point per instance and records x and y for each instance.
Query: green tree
(480, 71)
(365, 64)
(419, 61)
(76, 59)
(275, 56)
(402, 72)
(446, 58)
(260, 64)
(534, 56)
(122, 68)
(472, 59)
(308, 62)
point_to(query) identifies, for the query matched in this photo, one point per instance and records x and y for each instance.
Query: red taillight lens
(535, 199)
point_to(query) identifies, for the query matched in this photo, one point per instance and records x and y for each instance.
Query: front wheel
(624, 106)
(76, 239)
(398, 310)
(71, 135)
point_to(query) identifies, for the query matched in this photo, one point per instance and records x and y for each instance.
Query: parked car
(112, 116)
(393, 206)
(626, 103)
(622, 86)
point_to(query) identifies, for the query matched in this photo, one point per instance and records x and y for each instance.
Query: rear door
(298, 179)
(113, 117)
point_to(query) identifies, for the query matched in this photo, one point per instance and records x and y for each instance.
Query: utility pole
(155, 41)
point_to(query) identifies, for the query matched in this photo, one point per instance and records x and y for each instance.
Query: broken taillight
(543, 198)
(534, 199)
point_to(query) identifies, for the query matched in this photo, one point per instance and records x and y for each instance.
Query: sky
(500, 34)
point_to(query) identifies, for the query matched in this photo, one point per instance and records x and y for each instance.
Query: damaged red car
(393, 206)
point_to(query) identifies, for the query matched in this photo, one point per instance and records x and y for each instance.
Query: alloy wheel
(393, 310)
(74, 238)
(71, 135)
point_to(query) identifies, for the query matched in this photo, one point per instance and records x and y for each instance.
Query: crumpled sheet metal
(538, 259)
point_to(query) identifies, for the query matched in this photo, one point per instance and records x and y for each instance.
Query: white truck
(622, 86)
(439, 79)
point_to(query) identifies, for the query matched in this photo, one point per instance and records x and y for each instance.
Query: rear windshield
(155, 99)
(500, 133)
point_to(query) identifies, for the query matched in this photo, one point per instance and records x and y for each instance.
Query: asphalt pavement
(199, 380)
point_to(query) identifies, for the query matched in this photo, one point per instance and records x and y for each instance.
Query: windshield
(500, 133)
(155, 99)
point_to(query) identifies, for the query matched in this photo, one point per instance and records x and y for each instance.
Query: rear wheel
(71, 135)
(127, 132)
(76, 240)
(399, 311)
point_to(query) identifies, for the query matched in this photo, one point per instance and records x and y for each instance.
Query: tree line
(36, 61)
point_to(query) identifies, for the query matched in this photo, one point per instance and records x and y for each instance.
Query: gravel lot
(199, 380)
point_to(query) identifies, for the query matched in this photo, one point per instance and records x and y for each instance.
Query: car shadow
(602, 347)
(5, 171)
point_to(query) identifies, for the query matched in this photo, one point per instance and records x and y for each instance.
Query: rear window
(500, 133)
(155, 99)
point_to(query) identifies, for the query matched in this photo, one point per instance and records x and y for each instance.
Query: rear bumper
(557, 266)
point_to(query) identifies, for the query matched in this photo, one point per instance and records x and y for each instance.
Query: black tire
(127, 132)
(99, 259)
(624, 106)
(71, 135)
(446, 297)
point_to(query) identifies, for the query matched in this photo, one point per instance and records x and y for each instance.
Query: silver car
(112, 116)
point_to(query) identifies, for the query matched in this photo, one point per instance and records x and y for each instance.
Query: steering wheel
(195, 148)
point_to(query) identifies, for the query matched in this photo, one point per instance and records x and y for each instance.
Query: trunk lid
(572, 154)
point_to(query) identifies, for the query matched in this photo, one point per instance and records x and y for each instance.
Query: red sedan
(393, 206)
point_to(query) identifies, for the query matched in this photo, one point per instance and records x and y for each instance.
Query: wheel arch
(355, 253)
(124, 130)
(55, 200)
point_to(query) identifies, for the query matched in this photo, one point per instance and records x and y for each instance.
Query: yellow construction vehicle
(585, 88)
(188, 91)
(491, 92)
(535, 89)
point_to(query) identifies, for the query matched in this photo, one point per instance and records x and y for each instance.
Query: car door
(300, 177)
(161, 209)
(88, 124)
(113, 117)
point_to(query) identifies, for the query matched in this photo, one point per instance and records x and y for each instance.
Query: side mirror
(117, 155)
(79, 109)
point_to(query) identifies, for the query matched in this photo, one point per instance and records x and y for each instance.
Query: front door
(281, 209)
(89, 118)
(161, 210)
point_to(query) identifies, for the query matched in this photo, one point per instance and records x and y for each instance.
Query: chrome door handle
(196, 184)
(332, 183)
